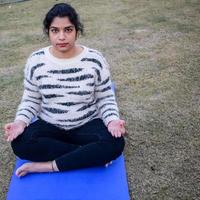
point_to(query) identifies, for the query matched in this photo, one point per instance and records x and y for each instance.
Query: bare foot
(36, 167)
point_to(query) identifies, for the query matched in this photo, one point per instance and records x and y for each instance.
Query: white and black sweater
(67, 92)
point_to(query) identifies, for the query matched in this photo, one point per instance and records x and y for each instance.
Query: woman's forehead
(61, 22)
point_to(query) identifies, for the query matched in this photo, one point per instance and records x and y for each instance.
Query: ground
(153, 49)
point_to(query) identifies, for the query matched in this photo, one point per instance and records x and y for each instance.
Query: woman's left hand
(117, 128)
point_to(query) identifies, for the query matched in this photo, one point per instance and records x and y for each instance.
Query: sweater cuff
(23, 118)
(109, 119)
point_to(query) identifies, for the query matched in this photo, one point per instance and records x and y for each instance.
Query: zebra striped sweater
(67, 92)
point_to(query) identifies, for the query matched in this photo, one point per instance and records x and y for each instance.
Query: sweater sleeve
(31, 99)
(105, 96)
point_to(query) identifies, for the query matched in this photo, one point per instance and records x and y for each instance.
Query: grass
(153, 49)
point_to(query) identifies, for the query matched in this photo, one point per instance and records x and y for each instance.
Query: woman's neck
(76, 50)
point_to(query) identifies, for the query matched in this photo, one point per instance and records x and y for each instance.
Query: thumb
(7, 126)
(122, 123)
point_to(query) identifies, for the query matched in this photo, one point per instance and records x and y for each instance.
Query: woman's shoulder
(37, 55)
(96, 57)
(94, 52)
(38, 52)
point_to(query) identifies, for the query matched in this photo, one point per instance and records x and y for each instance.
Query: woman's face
(62, 35)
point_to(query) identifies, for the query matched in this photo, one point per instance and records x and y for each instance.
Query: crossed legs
(52, 149)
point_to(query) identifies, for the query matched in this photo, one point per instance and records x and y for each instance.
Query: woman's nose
(61, 35)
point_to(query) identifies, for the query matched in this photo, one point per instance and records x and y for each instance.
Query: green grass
(153, 49)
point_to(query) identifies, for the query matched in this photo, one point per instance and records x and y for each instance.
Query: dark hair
(62, 10)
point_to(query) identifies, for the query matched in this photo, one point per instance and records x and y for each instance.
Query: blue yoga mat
(98, 183)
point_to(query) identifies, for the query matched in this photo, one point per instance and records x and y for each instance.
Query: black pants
(87, 146)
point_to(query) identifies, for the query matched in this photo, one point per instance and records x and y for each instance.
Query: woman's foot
(36, 167)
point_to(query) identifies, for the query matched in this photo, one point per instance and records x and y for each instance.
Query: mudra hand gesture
(13, 130)
(117, 128)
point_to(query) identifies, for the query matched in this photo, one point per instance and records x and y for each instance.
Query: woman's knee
(18, 148)
(119, 144)
(15, 147)
(116, 147)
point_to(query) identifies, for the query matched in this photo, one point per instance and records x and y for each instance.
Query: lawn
(153, 48)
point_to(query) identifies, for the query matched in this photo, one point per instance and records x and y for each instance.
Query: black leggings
(87, 146)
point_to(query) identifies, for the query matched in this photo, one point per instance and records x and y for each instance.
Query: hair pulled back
(62, 10)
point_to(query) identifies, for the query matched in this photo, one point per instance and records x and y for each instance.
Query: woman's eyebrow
(71, 26)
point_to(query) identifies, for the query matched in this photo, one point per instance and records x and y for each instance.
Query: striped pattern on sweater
(67, 92)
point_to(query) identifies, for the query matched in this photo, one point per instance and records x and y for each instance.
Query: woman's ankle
(54, 166)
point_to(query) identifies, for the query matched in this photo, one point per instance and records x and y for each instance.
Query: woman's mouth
(62, 44)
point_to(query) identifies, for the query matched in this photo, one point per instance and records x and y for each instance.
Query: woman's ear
(77, 35)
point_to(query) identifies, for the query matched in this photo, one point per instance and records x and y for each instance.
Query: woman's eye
(68, 30)
(54, 30)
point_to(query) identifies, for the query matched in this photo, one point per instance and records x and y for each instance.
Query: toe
(22, 171)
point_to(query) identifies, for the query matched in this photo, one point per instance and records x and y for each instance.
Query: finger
(112, 133)
(123, 131)
(122, 128)
(119, 134)
(6, 136)
(115, 133)
(111, 130)
(122, 123)
(8, 131)
(8, 139)
(15, 136)
(7, 126)
(20, 172)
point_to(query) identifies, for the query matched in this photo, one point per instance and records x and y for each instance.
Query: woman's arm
(106, 101)
(31, 99)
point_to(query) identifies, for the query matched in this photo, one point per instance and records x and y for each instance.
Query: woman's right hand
(14, 129)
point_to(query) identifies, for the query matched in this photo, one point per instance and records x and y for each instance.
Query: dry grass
(153, 48)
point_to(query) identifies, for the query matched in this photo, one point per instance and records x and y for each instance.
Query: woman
(67, 86)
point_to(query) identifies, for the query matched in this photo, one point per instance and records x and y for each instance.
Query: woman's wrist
(21, 123)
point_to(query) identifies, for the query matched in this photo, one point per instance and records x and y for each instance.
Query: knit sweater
(67, 92)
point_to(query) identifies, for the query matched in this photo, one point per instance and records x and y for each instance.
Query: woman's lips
(62, 44)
